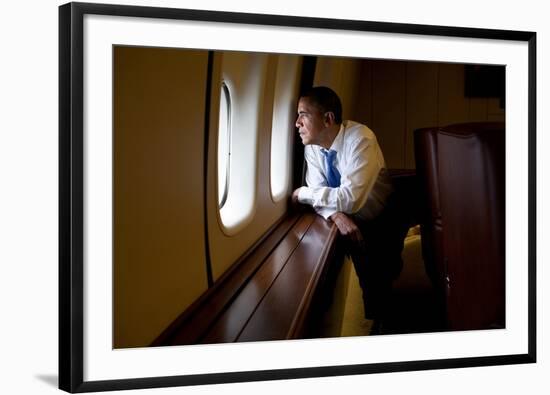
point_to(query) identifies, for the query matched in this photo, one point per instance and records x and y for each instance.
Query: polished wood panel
(422, 97)
(269, 294)
(453, 106)
(363, 104)
(280, 313)
(195, 321)
(478, 110)
(320, 283)
(228, 327)
(389, 110)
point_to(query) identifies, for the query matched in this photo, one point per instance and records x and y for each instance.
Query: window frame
(225, 93)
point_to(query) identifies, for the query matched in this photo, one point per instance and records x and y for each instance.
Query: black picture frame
(71, 195)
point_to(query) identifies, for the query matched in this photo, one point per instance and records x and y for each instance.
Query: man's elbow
(349, 207)
(348, 203)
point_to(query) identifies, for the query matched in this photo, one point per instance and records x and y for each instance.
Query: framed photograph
(176, 232)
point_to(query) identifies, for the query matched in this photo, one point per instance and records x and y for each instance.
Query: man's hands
(345, 224)
(347, 227)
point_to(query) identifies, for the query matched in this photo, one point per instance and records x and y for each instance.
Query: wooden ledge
(266, 295)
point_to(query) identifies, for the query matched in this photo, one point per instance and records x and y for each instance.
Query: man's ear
(329, 118)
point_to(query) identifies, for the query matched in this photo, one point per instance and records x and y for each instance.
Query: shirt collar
(339, 140)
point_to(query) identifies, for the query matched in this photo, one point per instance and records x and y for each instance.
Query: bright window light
(224, 145)
(282, 128)
(244, 77)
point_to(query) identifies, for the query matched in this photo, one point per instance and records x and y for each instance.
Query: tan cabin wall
(158, 135)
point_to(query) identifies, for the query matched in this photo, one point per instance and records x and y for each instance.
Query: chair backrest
(461, 172)
(426, 154)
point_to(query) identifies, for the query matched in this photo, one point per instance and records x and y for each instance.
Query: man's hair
(326, 100)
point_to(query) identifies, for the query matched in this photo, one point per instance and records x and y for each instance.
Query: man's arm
(315, 178)
(357, 181)
(346, 226)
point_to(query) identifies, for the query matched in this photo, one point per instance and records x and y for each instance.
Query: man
(348, 183)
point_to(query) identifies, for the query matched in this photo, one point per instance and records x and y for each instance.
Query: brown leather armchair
(461, 174)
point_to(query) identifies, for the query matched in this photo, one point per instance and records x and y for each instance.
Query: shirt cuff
(325, 212)
(305, 195)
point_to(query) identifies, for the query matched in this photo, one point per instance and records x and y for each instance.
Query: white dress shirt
(364, 184)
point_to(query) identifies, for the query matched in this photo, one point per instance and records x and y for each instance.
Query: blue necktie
(333, 176)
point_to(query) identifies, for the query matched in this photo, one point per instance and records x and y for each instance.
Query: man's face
(310, 122)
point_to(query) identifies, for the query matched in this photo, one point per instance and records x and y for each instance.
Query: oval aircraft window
(284, 110)
(224, 145)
